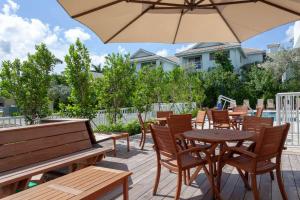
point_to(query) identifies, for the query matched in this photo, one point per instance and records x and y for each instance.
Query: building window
(148, 64)
(212, 56)
(195, 61)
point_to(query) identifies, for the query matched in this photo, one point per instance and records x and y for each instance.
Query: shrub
(132, 128)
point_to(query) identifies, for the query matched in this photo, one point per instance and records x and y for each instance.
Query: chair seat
(244, 162)
(188, 161)
(222, 125)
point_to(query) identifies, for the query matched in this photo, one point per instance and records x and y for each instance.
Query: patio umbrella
(181, 21)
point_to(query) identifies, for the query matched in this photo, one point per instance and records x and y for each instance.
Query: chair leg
(245, 180)
(179, 183)
(157, 178)
(142, 136)
(280, 183)
(272, 175)
(254, 186)
(143, 143)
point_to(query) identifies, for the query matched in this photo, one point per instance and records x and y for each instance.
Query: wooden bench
(101, 137)
(89, 183)
(37, 149)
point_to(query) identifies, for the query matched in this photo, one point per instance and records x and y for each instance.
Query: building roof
(250, 51)
(207, 47)
(143, 55)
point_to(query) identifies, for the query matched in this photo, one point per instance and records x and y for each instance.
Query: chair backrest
(209, 115)
(141, 121)
(270, 104)
(201, 116)
(220, 117)
(160, 114)
(259, 111)
(164, 141)
(180, 123)
(20, 147)
(260, 103)
(246, 103)
(241, 109)
(255, 124)
(270, 142)
(232, 104)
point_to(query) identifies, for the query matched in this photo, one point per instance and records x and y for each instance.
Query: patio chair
(145, 129)
(162, 114)
(270, 104)
(269, 145)
(260, 103)
(238, 120)
(176, 160)
(232, 104)
(259, 111)
(209, 117)
(200, 119)
(221, 119)
(246, 103)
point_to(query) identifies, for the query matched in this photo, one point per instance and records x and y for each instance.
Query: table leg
(125, 189)
(115, 147)
(128, 147)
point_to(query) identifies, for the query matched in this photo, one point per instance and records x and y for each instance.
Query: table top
(236, 113)
(161, 119)
(218, 135)
(86, 182)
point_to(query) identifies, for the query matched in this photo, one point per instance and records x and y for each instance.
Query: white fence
(288, 110)
(128, 114)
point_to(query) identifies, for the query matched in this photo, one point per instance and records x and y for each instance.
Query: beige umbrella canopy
(181, 21)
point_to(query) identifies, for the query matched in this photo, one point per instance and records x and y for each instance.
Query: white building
(200, 56)
(297, 34)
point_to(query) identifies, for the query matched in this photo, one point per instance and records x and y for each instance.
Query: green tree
(261, 83)
(222, 60)
(116, 87)
(196, 88)
(83, 101)
(28, 82)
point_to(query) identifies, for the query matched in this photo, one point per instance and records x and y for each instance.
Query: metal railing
(288, 110)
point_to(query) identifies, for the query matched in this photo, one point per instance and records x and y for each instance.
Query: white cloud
(96, 59)
(163, 52)
(18, 36)
(72, 34)
(184, 47)
(10, 7)
(289, 34)
(297, 35)
(122, 50)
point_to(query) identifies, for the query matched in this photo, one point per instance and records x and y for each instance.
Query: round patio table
(216, 137)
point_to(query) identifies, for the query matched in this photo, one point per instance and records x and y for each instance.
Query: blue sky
(27, 22)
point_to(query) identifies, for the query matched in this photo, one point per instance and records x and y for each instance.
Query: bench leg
(125, 189)
(128, 147)
(115, 147)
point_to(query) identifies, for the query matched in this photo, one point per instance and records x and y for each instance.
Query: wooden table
(88, 183)
(216, 137)
(236, 114)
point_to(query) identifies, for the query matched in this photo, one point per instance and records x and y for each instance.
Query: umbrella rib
(226, 22)
(131, 22)
(96, 9)
(280, 7)
(179, 22)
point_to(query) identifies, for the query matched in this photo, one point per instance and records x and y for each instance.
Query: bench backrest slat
(28, 145)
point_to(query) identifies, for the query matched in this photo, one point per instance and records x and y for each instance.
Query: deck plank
(143, 166)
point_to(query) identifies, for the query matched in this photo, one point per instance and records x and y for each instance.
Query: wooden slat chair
(221, 119)
(37, 149)
(145, 129)
(179, 124)
(209, 117)
(259, 111)
(176, 160)
(200, 119)
(269, 145)
(163, 114)
(238, 120)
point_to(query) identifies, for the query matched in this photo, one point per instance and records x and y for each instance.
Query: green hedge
(132, 128)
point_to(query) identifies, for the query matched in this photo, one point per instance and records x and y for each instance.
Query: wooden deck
(143, 166)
